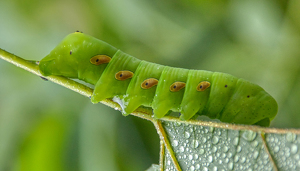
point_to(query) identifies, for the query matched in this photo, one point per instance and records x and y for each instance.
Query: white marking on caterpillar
(121, 102)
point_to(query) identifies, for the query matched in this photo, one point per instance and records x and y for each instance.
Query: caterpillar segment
(110, 84)
(135, 83)
(222, 87)
(138, 93)
(194, 101)
(165, 99)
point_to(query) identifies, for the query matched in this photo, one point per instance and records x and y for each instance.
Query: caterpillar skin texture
(190, 92)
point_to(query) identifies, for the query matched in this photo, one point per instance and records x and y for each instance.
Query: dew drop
(214, 149)
(205, 169)
(276, 149)
(190, 157)
(205, 131)
(187, 135)
(210, 159)
(225, 149)
(243, 159)
(195, 143)
(215, 140)
(249, 135)
(226, 160)
(254, 143)
(287, 154)
(204, 140)
(196, 156)
(201, 151)
(266, 156)
(236, 158)
(192, 168)
(181, 149)
(238, 149)
(215, 168)
(230, 165)
(236, 141)
(255, 154)
(177, 124)
(290, 137)
(169, 162)
(175, 143)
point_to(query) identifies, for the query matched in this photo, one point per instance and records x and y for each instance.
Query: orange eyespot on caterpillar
(123, 75)
(148, 83)
(203, 85)
(176, 86)
(100, 59)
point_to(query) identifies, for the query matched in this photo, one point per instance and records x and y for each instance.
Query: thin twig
(32, 67)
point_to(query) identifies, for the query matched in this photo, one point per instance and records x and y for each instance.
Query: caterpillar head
(73, 58)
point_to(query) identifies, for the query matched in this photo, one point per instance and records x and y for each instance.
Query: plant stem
(33, 67)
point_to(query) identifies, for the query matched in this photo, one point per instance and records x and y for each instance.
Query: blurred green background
(44, 126)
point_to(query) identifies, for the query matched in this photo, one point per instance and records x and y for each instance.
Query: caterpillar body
(141, 83)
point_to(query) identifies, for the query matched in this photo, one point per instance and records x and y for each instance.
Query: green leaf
(229, 147)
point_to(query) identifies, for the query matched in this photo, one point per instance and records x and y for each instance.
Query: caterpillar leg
(116, 77)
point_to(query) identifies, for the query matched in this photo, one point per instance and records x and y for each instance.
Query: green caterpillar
(116, 74)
